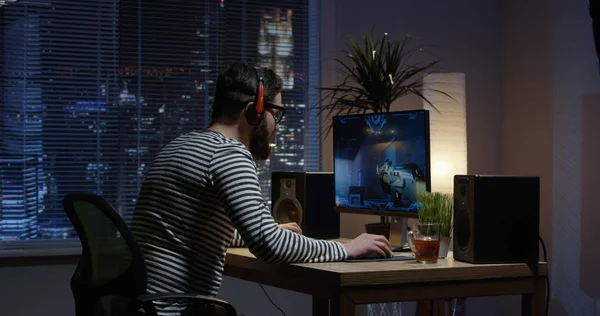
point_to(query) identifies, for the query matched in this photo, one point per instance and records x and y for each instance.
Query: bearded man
(202, 195)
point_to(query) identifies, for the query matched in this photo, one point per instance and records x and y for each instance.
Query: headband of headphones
(260, 93)
(255, 111)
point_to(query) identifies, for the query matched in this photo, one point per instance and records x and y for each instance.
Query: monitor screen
(381, 162)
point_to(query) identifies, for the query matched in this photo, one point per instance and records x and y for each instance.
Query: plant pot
(444, 245)
(378, 229)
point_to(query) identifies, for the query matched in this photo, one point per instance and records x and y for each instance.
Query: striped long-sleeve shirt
(201, 189)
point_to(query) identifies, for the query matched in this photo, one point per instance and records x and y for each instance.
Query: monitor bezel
(406, 214)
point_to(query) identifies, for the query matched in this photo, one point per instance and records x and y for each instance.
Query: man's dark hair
(236, 86)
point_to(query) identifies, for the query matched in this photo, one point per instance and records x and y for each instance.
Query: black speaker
(496, 219)
(307, 198)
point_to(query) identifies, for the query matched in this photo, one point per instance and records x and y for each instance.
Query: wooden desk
(338, 286)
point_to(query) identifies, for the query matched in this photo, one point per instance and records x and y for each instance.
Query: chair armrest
(195, 299)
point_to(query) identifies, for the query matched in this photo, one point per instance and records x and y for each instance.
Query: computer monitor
(381, 162)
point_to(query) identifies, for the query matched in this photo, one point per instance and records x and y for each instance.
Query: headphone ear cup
(252, 116)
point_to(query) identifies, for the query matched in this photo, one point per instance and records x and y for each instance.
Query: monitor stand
(398, 231)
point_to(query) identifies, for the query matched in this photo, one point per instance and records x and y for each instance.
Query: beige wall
(552, 89)
(575, 90)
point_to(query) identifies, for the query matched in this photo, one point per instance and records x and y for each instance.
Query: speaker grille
(463, 229)
(288, 210)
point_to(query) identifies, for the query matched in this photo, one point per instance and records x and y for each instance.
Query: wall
(575, 89)
(36, 290)
(552, 89)
(527, 123)
(45, 290)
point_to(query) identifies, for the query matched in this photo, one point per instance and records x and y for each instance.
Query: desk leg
(320, 306)
(534, 304)
(342, 306)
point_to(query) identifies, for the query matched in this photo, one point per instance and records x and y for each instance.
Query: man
(202, 191)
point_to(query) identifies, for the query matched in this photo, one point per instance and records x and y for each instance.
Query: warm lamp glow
(448, 129)
(440, 169)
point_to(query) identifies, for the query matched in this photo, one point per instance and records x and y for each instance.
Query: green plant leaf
(437, 207)
(374, 76)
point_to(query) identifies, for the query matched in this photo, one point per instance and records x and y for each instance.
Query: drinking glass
(424, 241)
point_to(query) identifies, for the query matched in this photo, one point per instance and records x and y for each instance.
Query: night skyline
(92, 121)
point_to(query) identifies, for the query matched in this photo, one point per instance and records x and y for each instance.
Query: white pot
(444, 245)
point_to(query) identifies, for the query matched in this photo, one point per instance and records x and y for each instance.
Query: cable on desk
(454, 307)
(547, 275)
(267, 294)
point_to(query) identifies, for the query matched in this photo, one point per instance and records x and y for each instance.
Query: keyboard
(398, 256)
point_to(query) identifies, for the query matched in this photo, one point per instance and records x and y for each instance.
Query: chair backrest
(111, 272)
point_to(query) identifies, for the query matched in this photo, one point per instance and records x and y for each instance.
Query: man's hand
(291, 226)
(366, 244)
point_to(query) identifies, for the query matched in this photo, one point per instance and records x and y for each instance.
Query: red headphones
(254, 112)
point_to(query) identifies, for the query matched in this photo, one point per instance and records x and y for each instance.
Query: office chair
(110, 279)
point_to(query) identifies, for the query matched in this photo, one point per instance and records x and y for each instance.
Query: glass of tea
(424, 241)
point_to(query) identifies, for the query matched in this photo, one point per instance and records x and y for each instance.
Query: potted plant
(437, 207)
(374, 76)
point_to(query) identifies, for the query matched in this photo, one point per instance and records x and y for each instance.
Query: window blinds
(92, 90)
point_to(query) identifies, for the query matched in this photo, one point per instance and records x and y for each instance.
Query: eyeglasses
(277, 116)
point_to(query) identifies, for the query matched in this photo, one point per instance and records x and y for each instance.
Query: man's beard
(260, 140)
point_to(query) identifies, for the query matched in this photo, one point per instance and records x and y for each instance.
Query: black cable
(267, 294)
(547, 276)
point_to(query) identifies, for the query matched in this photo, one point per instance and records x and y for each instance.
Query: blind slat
(91, 90)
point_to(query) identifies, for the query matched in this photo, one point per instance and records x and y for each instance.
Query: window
(92, 90)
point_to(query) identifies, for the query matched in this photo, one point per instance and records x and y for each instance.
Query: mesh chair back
(111, 271)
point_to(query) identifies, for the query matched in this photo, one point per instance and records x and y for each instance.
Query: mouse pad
(396, 257)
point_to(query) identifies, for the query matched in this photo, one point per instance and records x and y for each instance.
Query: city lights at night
(89, 113)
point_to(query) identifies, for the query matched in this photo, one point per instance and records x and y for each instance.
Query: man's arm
(237, 240)
(236, 184)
